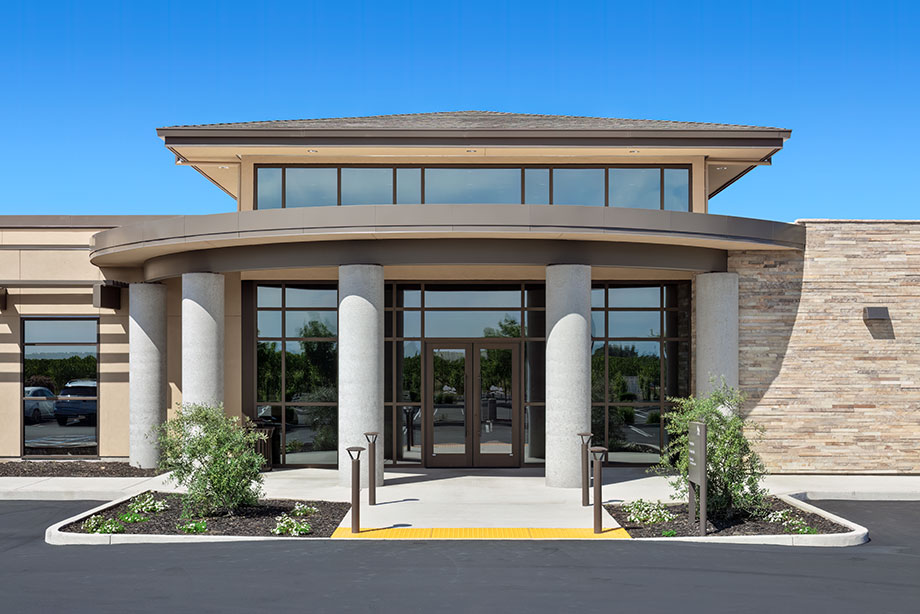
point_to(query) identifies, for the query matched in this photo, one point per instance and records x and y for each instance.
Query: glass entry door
(472, 410)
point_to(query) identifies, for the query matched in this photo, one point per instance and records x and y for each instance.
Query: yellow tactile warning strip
(474, 533)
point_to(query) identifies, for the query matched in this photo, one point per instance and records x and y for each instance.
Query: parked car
(70, 404)
(38, 404)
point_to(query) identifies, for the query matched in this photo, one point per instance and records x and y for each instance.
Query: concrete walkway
(486, 498)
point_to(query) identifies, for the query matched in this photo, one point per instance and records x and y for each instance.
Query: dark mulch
(722, 526)
(72, 469)
(255, 520)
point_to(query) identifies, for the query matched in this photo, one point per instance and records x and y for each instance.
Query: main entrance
(471, 404)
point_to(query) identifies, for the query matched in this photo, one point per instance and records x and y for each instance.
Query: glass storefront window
(447, 186)
(639, 188)
(60, 391)
(296, 375)
(453, 324)
(268, 182)
(310, 187)
(578, 186)
(676, 189)
(408, 186)
(367, 186)
(536, 186)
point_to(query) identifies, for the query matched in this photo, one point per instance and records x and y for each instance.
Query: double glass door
(472, 409)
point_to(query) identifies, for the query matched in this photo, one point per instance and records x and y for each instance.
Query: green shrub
(286, 525)
(647, 512)
(790, 522)
(628, 414)
(193, 526)
(213, 456)
(653, 417)
(100, 524)
(132, 517)
(734, 470)
(146, 504)
(669, 533)
(302, 509)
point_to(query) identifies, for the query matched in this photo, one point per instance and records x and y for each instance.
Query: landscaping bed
(73, 469)
(796, 521)
(248, 520)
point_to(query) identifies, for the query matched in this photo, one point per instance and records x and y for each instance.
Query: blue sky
(86, 84)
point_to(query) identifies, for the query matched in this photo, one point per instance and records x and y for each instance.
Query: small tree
(213, 457)
(734, 469)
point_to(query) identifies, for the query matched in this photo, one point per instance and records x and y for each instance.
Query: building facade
(476, 287)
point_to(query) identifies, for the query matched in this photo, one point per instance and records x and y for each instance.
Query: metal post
(703, 510)
(355, 453)
(692, 504)
(585, 443)
(371, 467)
(598, 454)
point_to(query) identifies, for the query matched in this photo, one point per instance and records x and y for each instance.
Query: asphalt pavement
(448, 576)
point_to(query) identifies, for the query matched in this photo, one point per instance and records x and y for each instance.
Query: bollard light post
(355, 453)
(585, 444)
(598, 453)
(371, 467)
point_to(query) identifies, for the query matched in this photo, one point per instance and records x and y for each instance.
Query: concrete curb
(858, 534)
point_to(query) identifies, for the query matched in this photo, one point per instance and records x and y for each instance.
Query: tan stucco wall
(835, 394)
(32, 255)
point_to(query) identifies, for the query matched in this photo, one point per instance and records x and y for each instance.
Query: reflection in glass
(268, 324)
(59, 401)
(597, 323)
(268, 371)
(634, 371)
(677, 189)
(269, 188)
(472, 324)
(409, 371)
(634, 323)
(409, 432)
(445, 186)
(534, 296)
(60, 331)
(597, 371)
(535, 323)
(536, 186)
(408, 186)
(598, 426)
(496, 405)
(449, 401)
(311, 297)
(311, 435)
(310, 323)
(676, 368)
(310, 371)
(311, 187)
(535, 371)
(367, 186)
(461, 297)
(635, 297)
(409, 297)
(597, 298)
(634, 434)
(408, 323)
(578, 186)
(268, 296)
(635, 187)
(535, 434)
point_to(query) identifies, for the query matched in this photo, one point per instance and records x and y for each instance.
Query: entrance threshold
(479, 533)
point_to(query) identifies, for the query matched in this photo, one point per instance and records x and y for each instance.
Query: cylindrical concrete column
(203, 338)
(716, 331)
(146, 371)
(568, 370)
(360, 362)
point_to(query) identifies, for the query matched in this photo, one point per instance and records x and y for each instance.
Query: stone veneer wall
(836, 394)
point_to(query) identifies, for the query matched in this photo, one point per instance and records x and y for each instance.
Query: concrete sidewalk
(76, 489)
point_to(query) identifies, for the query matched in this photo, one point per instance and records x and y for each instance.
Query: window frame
(22, 379)
(422, 167)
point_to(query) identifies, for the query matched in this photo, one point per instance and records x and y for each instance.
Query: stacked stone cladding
(835, 393)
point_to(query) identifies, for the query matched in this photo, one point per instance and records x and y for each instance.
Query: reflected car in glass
(76, 403)
(38, 404)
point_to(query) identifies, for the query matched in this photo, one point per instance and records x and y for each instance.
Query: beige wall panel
(174, 343)
(699, 198)
(63, 265)
(247, 183)
(9, 264)
(47, 236)
(56, 302)
(836, 394)
(10, 386)
(113, 384)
